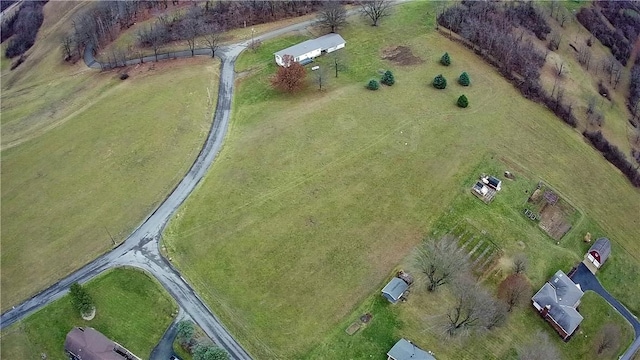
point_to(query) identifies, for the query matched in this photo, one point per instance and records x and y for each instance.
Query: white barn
(306, 51)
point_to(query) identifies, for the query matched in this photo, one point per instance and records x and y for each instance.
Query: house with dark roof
(557, 302)
(597, 254)
(306, 51)
(89, 344)
(406, 350)
(394, 290)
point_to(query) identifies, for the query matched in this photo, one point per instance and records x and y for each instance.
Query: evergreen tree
(373, 85)
(80, 299)
(388, 78)
(439, 82)
(463, 102)
(464, 79)
(445, 59)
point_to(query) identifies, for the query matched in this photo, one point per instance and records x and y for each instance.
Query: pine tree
(463, 102)
(445, 59)
(464, 79)
(439, 82)
(388, 78)
(80, 299)
(373, 85)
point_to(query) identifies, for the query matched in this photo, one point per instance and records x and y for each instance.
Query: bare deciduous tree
(440, 261)
(191, 27)
(332, 15)
(338, 62)
(67, 47)
(584, 56)
(320, 77)
(212, 38)
(376, 10)
(560, 68)
(608, 339)
(474, 308)
(514, 290)
(540, 348)
(520, 263)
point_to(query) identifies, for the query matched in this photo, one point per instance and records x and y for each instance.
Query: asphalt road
(164, 349)
(588, 281)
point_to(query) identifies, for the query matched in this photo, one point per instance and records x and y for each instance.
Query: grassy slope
(98, 153)
(132, 309)
(316, 197)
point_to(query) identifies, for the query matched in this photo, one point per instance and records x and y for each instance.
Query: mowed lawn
(131, 309)
(317, 197)
(96, 170)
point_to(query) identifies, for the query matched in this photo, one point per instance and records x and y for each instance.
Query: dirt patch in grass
(401, 55)
(553, 212)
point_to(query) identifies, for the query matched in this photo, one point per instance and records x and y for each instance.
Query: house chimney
(545, 311)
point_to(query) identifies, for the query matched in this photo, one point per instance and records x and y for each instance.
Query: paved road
(588, 281)
(164, 349)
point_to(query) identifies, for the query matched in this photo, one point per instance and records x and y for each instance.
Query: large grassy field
(132, 309)
(317, 197)
(87, 156)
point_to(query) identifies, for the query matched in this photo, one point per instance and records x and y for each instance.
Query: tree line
(103, 22)
(21, 27)
(626, 26)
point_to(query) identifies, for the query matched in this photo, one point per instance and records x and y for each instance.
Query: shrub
(464, 79)
(445, 59)
(439, 82)
(373, 85)
(463, 102)
(387, 78)
(209, 352)
(124, 76)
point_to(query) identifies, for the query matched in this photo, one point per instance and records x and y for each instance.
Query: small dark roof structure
(90, 344)
(602, 247)
(394, 289)
(323, 42)
(406, 350)
(494, 182)
(557, 300)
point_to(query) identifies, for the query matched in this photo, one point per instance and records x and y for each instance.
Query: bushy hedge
(614, 156)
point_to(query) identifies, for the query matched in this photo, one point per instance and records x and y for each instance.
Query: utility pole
(111, 237)
(253, 44)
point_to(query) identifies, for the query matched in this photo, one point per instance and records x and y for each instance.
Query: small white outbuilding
(306, 51)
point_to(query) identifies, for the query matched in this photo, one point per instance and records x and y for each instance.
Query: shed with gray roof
(306, 51)
(406, 350)
(557, 302)
(394, 290)
(599, 252)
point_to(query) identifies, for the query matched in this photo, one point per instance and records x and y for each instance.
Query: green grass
(87, 156)
(132, 309)
(317, 197)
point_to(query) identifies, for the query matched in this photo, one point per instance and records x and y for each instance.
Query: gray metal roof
(603, 247)
(395, 288)
(323, 42)
(405, 350)
(561, 295)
